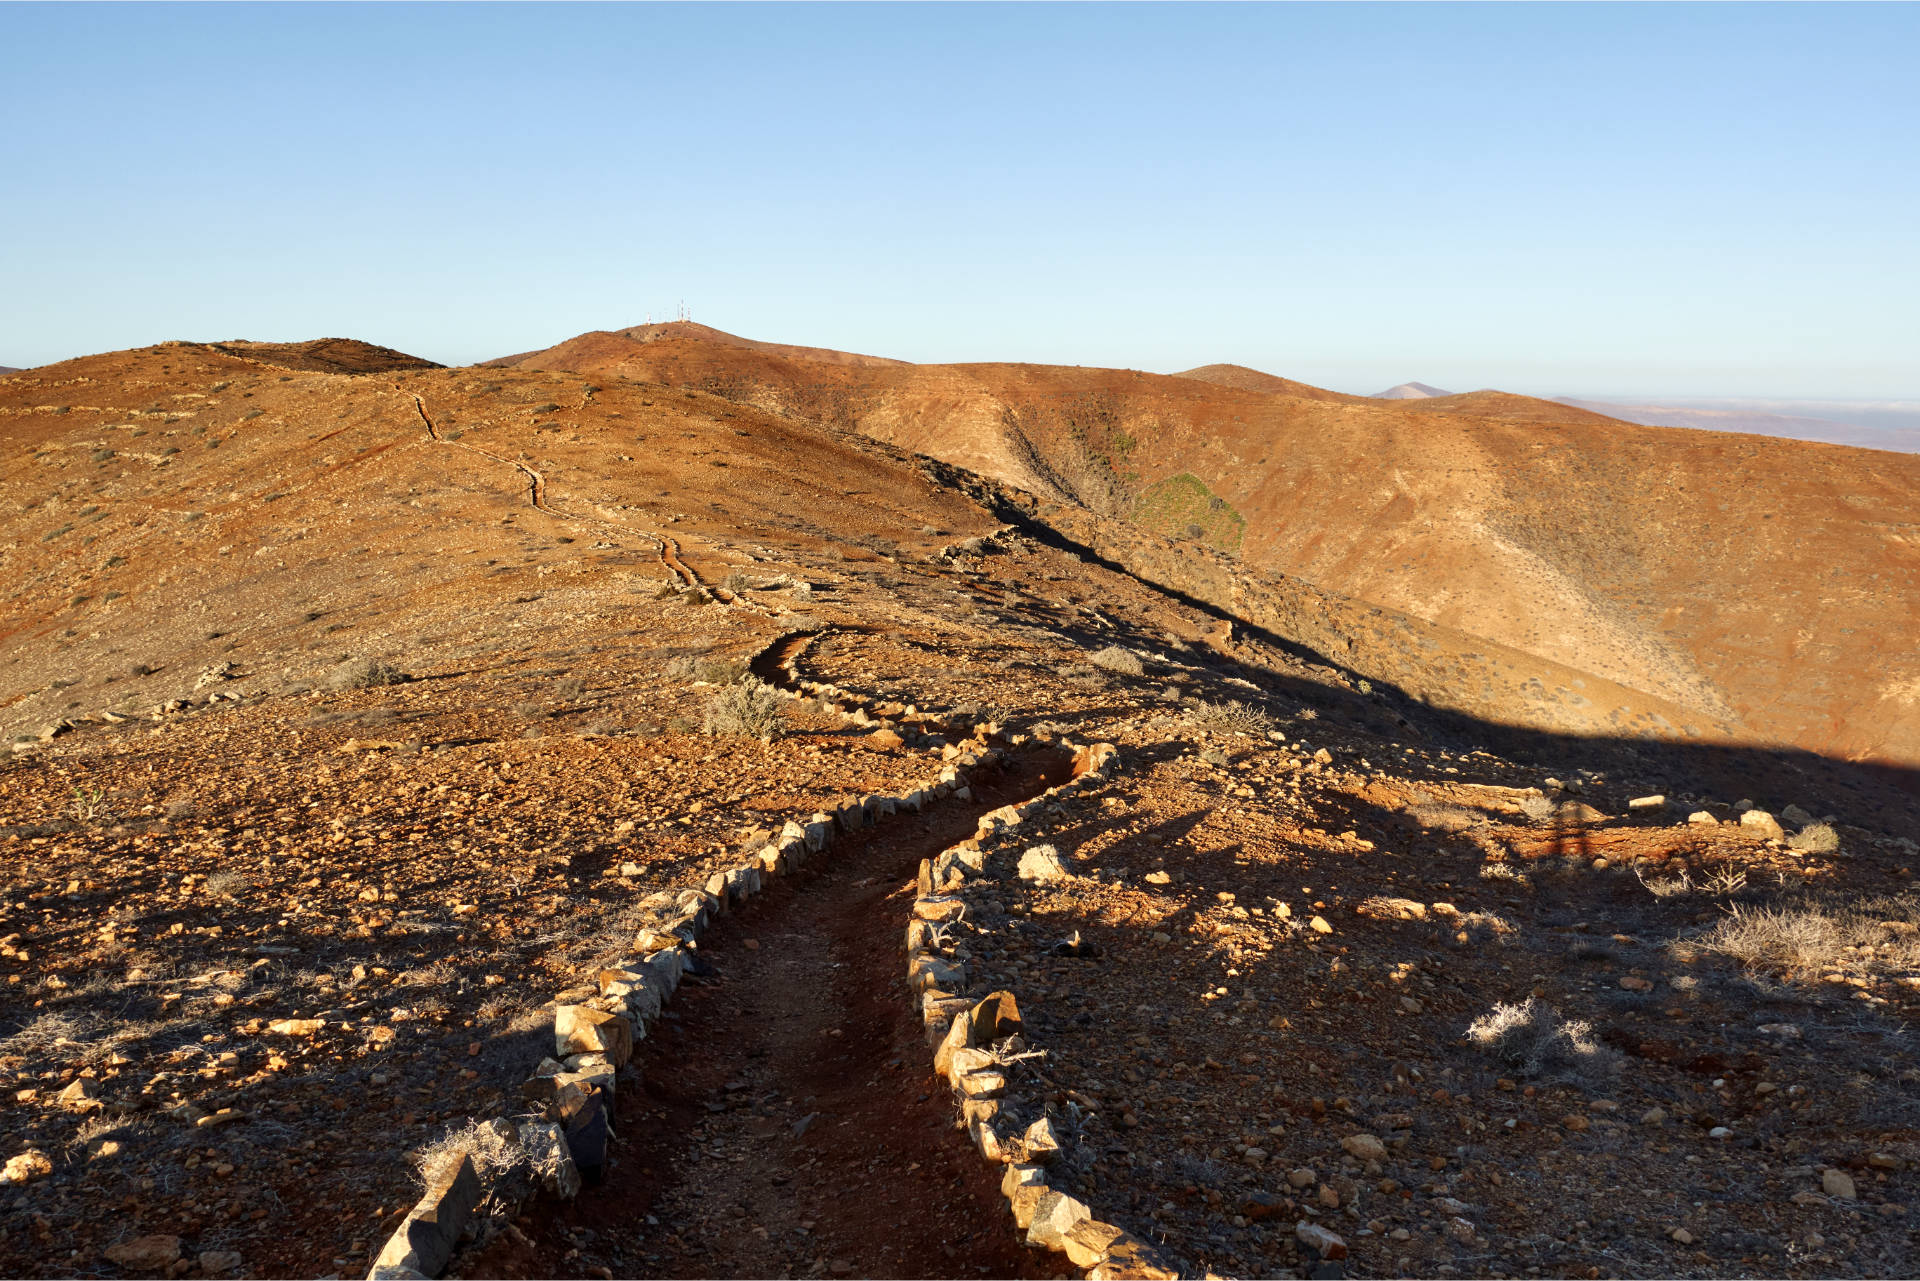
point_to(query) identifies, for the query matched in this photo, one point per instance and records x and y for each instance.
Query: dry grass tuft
(1118, 658)
(1231, 715)
(364, 673)
(1876, 936)
(1534, 1039)
(748, 708)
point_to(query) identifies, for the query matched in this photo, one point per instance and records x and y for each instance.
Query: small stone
(1302, 1178)
(26, 1167)
(1329, 1196)
(1634, 983)
(1041, 863)
(79, 1096)
(1761, 824)
(1325, 1242)
(1681, 1235)
(219, 1263)
(1575, 1122)
(1364, 1147)
(146, 1254)
(1261, 1205)
(1654, 1116)
(1408, 1003)
(1700, 818)
(1883, 1161)
(296, 1027)
(1319, 925)
(1158, 878)
(1838, 1183)
(1459, 1229)
(1647, 803)
(1719, 1132)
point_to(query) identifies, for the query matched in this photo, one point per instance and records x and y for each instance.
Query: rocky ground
(270, 927)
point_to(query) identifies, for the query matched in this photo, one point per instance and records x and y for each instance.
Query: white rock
(1042, 863)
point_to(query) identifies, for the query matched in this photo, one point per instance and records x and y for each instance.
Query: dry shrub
(1878, 935)
(494, 1146)
(714, 671)
(364, 673)
(1535, 1040)
(1118, 658)
(748, 708)
(1436, 817)
(1230, 715)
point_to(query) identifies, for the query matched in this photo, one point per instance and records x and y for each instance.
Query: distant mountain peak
(1410, 391)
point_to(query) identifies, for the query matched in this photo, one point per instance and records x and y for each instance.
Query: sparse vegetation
(1118, 658)
(90, 805)
(714, 671)
(1804, 940)
(747, 708)
(364, 673)
(1533, 1039)
(1231, 715)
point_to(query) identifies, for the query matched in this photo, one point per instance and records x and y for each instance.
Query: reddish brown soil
(810, 1020)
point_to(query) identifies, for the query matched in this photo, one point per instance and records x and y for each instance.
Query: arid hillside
(1751, 584)
(509, 822)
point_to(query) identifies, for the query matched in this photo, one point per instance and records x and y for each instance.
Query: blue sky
(1595, 200)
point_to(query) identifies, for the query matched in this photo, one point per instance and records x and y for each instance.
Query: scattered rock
(296, 1027)
(219, 1263)
(1700, 818)
(1325, 1242)
(1839, 1184)
(1364, 1147)
(1042, 863)
(1647, 803)
(79, 1096)
(26, 1167)
(145, 1254)
(1761, 824)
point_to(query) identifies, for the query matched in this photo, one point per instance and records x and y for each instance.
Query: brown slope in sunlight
(325, 356)
(1751, 581)
(613, 344)
(1242, 378)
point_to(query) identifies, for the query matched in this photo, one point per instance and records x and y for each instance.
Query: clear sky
(1597, 200)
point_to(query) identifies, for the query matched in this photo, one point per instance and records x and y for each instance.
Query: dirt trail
(666, 548)
(789, 1124)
